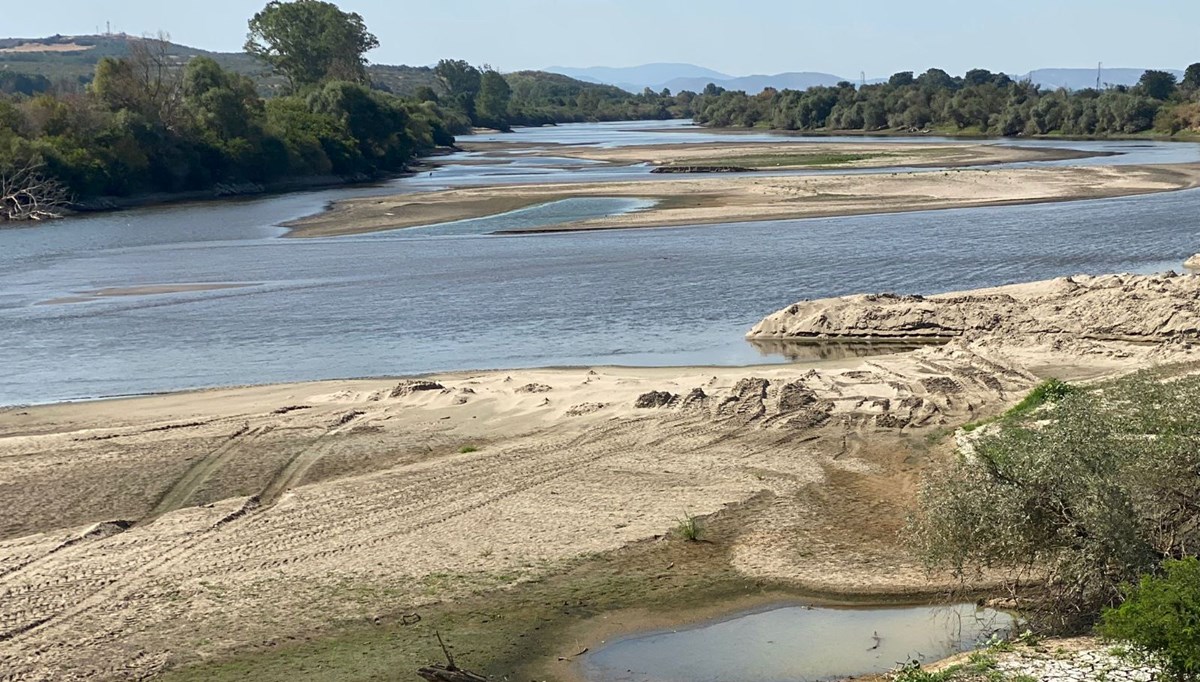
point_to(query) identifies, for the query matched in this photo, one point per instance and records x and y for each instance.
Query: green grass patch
(467, 449)
(979, 663)
(1047, 392)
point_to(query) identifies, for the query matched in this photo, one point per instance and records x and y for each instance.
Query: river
(454, 297)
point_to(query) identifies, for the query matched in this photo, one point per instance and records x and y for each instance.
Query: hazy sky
(738, 37)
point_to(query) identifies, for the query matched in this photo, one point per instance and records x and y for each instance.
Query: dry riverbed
(326, 530)
(699, 200)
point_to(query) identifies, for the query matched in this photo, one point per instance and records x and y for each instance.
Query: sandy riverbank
(787, 155)
(700, 200)
(337, 524)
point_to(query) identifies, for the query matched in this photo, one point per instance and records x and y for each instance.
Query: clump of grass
(913, 672)
(690, 528)
(1048, 392)
(467, 449)
(979, 663)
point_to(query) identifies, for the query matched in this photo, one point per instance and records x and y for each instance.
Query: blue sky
(738, 37)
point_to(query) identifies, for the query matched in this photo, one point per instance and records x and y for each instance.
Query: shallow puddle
(797, 644)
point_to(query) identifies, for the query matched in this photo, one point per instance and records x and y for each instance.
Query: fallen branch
(28, 194)
(449, 672)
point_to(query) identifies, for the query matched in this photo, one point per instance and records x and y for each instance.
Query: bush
(1162, 615)
(1092, 496)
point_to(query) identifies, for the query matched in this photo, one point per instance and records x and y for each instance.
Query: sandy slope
(700, 200)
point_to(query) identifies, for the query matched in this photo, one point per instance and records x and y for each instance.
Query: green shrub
(1087, 498)
(1161, 614)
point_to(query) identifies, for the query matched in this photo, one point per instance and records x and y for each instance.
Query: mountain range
(679, 77)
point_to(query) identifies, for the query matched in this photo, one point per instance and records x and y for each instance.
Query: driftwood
(28, 194)
(449, 672)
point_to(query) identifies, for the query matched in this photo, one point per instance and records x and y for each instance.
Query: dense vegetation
(980, 102)
(535, 98)
(118, 116)
(1161, 614)
(1080, 498)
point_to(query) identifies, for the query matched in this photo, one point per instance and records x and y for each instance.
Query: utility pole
(862, 79)
(1099, 70)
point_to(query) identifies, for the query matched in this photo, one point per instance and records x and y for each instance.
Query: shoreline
(790, 156)
(249, 190)
(695, 200)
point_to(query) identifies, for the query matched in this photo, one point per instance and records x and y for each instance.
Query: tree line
(153, 121)
(484, 97)
(979, 102)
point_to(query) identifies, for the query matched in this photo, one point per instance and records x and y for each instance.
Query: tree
(1158, 85)
(491, 104)
(148, 81)
(311, 41)
(461, 82)
(936, 79)
(978, 77)
(425, 94)
(222, 103)
(1191, 77)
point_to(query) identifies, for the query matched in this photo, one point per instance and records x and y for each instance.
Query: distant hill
(74, 58)
(638, 78)
(679, 77)
(756, 84)
(1078, 79)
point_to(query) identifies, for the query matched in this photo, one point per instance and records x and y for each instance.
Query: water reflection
(798, 644)
(808, 350)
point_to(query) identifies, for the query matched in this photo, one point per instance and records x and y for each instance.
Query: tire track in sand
(198, 474)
